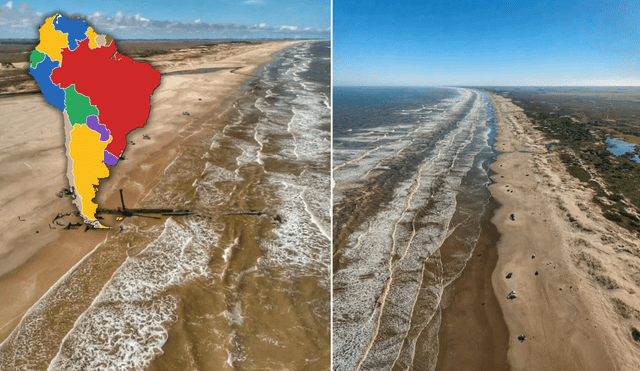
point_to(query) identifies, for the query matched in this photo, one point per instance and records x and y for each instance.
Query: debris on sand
(512, 295)
(635, 334)
(537, 273)
(185, 113)
(522, 338)
(533, 256)
(146, 137)
(512, 217)
(132, 143)
(20, 219)
(509, 275)
(64, 192)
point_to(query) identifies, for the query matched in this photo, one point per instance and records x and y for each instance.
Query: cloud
(23, 22)
(17, 19)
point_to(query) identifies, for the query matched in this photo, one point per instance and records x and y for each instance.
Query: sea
(410, 178)
(243, 282)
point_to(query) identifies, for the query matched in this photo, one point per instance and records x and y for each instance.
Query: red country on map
(118, 86)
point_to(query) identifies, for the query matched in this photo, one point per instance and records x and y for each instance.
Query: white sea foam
(127, 324)
(234, 317)
(301, 244)
(390, 249)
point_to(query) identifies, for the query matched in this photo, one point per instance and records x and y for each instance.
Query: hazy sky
(177, 18)
(486, 42)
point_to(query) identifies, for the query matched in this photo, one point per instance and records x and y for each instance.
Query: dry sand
(579, 312)
(34, 165)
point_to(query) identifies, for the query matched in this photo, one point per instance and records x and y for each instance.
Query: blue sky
(177, 19)
(426, 43)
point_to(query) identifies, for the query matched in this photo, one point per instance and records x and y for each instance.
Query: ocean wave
(127, 324)
(376, 292)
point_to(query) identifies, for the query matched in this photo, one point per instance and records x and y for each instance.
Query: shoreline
(559, 255)
(472, 333)
(139, 174)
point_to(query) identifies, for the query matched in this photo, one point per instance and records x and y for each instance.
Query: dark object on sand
(20, 219)
(512, 295)
(533, 256)
(64, 192)
(146, 137)
(37, 231)
(509, 275)
(199, 98)
(522, 338)
(125, 212)
(536, 273)
(8, 65)
(635, 334)
(252, 212)
(185, 113)
(512, 217)
(132, 143)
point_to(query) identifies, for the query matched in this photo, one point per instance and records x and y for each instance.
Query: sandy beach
(34, 253)
(573, 272)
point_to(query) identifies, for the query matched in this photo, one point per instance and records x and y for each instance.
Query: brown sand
(578, 313)
(473, 335)
(32, 152)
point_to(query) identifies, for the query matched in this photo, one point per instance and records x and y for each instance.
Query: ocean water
(243, 283)
(410, 171)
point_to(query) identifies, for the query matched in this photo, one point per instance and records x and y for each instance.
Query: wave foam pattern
(302, 243)
(375, 295)
(127, 324)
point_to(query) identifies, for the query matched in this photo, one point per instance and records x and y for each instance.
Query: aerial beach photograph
(486, 209)
(165, 184)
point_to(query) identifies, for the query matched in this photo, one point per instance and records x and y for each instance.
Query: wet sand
(35, 270)
(574, 272)
(473, 311)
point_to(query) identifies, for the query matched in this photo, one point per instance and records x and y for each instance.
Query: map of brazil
(102, 95)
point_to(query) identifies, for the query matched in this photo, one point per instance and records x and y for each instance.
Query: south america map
(102, 94)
